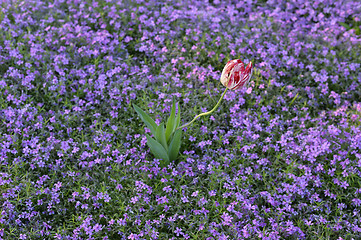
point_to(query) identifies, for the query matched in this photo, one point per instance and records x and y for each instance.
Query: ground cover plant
(279, 159)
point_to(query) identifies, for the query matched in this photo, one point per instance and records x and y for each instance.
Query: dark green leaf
(149, 122)
(160, 136)
(178, 117)
(357, 30)
(171, 122)
(175, 145)
(157, 149)
(345, 25)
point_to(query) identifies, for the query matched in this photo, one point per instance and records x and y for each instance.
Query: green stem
(206, 113)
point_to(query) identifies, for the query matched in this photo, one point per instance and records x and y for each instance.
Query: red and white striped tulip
(235, 76)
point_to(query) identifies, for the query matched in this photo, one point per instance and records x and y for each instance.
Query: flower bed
(278, 159)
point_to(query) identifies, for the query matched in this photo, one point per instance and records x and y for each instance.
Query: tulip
(234, 76)
(167, 138)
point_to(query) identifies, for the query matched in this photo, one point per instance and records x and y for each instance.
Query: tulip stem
(205, 113)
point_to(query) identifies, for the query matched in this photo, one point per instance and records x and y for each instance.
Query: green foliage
(175, 145)
(351, 23)
(171, 122)
(146, 119)
(157, 149)
(159, 146)
(160, 136)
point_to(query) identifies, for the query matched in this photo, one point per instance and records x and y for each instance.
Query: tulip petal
(234, 75)
(246, 76)
(227, 71)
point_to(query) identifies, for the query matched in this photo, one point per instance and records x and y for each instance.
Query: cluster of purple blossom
(279, 160)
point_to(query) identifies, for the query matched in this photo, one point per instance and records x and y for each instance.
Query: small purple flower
(178, 231)
(97, 227)
(227, 219)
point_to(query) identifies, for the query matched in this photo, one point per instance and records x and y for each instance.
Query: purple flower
(227, 219)
(178, 231)
(97, 227)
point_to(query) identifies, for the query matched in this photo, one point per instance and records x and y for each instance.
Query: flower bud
(235, 76)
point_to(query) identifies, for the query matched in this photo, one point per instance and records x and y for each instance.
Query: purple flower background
(280, 159)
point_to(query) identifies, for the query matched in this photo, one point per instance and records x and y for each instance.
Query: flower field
(278, 159)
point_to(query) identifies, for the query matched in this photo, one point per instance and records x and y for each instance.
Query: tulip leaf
(171, 122)
(160, 136)
(146, 119)
(175, 145)
(178, 117)
(157, 149)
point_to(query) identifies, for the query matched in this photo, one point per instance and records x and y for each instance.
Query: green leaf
(157, 149)
(171, 122)
(160, 136)
(357, 30)
(293, 100)
(178, 117)
(146, 119)
(345, 25)
(175, 145)
(283, 88)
